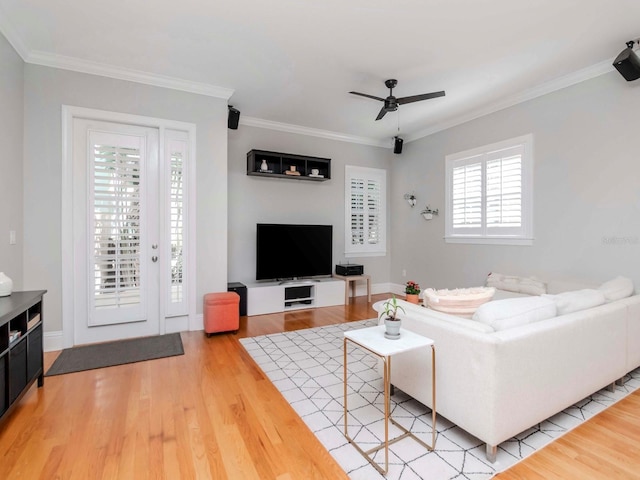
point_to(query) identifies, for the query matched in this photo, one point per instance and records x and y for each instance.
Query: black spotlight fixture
(397, 145)
(234, 118)
(628, 63)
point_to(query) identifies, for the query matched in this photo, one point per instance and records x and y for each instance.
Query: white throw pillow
(513, 283)
(513, 312)
(619, 287)
(577, 300)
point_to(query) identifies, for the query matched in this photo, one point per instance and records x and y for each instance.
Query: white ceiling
(294, 61)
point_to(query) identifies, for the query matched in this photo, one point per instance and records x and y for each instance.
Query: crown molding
(543, 89)
(105, 70)
(313, 132)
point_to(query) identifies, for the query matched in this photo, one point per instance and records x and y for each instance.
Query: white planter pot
(392, 329)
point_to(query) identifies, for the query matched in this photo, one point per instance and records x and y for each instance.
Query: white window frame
(367, 174)
(482, 235)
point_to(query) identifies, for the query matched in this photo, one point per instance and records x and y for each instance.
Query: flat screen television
(293, 251)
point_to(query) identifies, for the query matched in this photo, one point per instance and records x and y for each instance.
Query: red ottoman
(221, 312)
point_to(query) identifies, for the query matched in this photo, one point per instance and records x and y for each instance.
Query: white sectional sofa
(496, 384)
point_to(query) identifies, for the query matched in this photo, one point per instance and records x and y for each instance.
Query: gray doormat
(108, 354)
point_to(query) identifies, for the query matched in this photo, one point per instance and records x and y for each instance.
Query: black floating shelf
(262, 163)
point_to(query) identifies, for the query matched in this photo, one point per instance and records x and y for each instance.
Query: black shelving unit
(21, 346)
(278, 164)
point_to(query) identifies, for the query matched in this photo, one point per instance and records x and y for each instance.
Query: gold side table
(373, 341)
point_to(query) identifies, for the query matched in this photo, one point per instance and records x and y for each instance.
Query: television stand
(299, 281)
(275, 297)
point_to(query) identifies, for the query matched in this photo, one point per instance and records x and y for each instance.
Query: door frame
(69, 113)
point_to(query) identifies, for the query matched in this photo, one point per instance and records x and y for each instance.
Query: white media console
(274, 297)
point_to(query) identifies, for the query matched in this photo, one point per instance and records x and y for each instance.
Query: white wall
(255, 200)
(11, 128)
(586, 191)
(45, 91)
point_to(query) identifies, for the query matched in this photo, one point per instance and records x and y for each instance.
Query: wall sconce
(411, 199)
(428, 214)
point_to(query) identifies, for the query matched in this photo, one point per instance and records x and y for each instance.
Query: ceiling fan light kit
(391, 103)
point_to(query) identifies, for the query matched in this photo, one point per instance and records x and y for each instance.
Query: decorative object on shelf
(315, 172)
(263, 166)
(293, 170)
(428, 213)
(411, 199)
(412, 292)
(392, 322)
(6, 285)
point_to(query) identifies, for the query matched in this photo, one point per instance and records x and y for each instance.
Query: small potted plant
(412, 291)
(391, 320)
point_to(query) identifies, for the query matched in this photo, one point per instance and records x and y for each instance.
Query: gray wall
(586, 191)
(11, 128)
(271, 200)
(46, 90)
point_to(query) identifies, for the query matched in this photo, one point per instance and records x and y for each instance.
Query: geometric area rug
(306, 366)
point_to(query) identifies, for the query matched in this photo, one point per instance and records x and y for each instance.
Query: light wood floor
(212, 414)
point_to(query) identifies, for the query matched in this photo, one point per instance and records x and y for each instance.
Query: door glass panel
(176, 220)
(116, 226)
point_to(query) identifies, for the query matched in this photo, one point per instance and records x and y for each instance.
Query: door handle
(154, 258)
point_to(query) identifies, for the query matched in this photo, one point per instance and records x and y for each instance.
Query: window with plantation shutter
(365, 214)
(490, 194)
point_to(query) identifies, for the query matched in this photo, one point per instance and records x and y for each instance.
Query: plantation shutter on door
(116, 192)
(177, 152)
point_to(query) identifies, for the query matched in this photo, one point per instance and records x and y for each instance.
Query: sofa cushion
(513, 283)
(616, 289)
(460, 301)
(420, 313)
(577, 300)
(513, 312)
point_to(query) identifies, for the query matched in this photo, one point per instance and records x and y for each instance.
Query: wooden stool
(221, 312)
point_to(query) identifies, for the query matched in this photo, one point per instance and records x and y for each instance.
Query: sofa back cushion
(513, 312)
(514, 283)
(617, 289)
(569, 302)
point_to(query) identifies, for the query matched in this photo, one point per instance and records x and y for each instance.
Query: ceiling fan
(391, 103)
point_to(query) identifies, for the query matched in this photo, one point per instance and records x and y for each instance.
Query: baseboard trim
(197, 323)
(53, 341)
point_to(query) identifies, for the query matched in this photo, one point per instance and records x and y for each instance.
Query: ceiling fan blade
(382, 113)
(368, 96)
(417, 98)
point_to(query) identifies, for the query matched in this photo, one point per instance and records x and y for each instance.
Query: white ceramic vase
(6, 285)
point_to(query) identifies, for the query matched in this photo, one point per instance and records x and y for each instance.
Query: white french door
(130, 230)
(115, 193)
